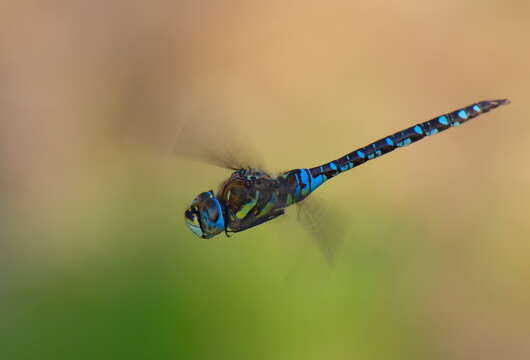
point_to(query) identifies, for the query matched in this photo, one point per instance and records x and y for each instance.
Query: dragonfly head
(205, 216)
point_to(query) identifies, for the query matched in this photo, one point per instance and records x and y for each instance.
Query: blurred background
(96, 262)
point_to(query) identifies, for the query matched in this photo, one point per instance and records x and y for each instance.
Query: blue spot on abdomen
(316, 181)
(443, 120)
(375, 154)
(462, 114)
(404, 142)
(346, 166)
(432, 132)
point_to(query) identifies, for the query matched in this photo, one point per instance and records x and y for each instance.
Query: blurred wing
(324, 226)
(206, 135)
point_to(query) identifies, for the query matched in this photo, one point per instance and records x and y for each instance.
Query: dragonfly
(251, 196)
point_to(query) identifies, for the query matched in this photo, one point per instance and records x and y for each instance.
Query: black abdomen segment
(318, 175)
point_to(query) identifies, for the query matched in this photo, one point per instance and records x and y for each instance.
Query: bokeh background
(96, 262)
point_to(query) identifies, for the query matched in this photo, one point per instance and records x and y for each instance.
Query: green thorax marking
(269, 206)
(246, 208)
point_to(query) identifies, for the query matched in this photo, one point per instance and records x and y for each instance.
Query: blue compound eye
(212, 217)
(205, 216)
(212, 211)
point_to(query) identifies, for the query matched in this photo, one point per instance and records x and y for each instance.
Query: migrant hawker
(251, 197)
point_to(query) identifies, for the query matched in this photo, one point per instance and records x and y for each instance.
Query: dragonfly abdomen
(320, 174)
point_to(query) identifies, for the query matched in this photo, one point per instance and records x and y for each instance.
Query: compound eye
(212, 211)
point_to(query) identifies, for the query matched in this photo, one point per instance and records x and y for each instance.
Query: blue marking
(389, 141)
(304, 178)
(316, 182)
(456, 123)
(432, 132)
(476, 108)
(375, 154)
(418, 129)
(332, 166)
(360, 154)
(443, 120)
(462, 114)
(346, 167)
(404, 142)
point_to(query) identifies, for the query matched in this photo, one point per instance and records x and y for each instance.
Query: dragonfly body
(251, 197)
